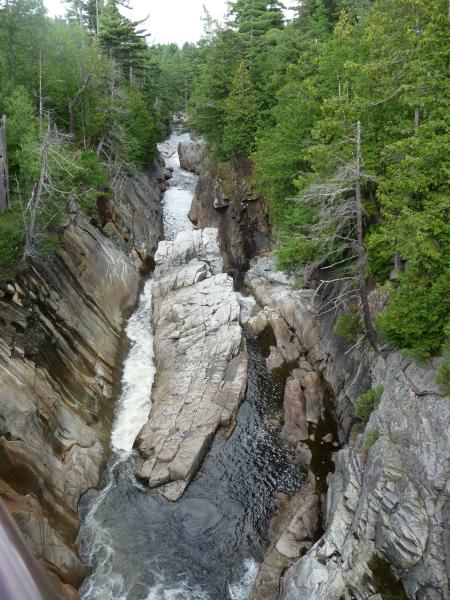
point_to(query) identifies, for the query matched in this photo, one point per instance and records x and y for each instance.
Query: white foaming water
(242, 589)
(138, 375)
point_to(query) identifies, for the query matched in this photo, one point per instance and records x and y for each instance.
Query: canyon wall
(61, 349)
(223, 199)
(385, 504)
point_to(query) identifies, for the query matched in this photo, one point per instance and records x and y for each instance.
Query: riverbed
(208, 544)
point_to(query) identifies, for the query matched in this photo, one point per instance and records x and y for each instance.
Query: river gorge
(192, 415)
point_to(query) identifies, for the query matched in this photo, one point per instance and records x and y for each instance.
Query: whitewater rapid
(137, 380)
(207, 545)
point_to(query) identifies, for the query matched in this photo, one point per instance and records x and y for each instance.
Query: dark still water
(207, 545)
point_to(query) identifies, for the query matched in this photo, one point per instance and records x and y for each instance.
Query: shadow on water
(200, 546)
(142, 547)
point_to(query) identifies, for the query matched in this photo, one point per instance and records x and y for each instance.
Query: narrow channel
(207, 545)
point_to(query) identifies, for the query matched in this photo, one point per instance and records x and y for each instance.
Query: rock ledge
(201, 360)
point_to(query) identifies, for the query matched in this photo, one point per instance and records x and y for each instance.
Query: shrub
(370, 439)
(348, 327)
(417, 313)
(12, 240)
(367, 402)
(91, 180)
(443, 376)
(294, 252)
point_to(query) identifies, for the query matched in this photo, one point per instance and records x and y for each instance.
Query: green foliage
(371, 437)
(418, 312)
(90, 179)
(11, 240)
(110, 93)
(348, 327)
(443, 377)
(141, 131)
(367, 402)
(294, 251)
(241, 116)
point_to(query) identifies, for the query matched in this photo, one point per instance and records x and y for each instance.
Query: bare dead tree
(337, 236)
(36, 199)
(4, 173)
(41, 209)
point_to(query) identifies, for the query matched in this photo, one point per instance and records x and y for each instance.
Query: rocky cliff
(386, 512)
(223, 199)
(61, 347)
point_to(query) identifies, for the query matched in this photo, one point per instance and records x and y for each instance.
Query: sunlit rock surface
(388, 501)
(200, 356)
(61, 347)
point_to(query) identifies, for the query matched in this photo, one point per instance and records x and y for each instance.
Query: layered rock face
(135, 222)
(61, 347)
(200, 356)
(388, 501)
(223, 199)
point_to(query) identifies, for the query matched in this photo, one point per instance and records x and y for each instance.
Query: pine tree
(241, 112)
(253, 19)
(122, 40)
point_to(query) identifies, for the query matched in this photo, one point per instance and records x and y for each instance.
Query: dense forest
(342, 111)
(85, 100)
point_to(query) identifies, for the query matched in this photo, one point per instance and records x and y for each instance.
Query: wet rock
(385, 500)
(275, 359)
(191, 155)
(293, 531)
(201, 357)
(258, 323)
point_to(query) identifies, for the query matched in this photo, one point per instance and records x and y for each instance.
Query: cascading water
(205, 546)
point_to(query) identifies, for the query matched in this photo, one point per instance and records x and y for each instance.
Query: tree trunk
(36, 201)
(416, 119)
(4, 175)
(361, 254)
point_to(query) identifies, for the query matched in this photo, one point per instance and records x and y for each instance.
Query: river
(207, 545)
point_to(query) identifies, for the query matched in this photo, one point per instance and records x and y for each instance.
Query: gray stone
(201, 358)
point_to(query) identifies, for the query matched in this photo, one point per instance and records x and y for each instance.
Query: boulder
(201, 357)
(191, 155)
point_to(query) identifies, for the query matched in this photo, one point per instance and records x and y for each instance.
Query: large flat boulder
(201, 360)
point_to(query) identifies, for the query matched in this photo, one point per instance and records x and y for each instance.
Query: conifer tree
(241, 113)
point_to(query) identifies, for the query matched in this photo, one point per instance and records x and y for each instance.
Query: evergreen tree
(122, 40)
(241, 113)
(253, 19)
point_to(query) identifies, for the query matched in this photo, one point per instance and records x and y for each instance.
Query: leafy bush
(367, 402)
(91, 180)
(417, 314)
(12, 240)
(293, 252)
(348, 327)
(371, 437)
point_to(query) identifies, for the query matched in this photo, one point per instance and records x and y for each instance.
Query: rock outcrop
(293, 531)
(388, 500)
(134, 223)
(191, 155)
(200, 356)
(61, 347)
(223, 199)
